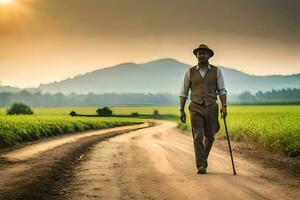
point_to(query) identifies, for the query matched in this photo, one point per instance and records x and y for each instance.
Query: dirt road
(149, 163)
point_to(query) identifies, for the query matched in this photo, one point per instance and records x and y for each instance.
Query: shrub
(155, 114)
(73, 113)
(106, 111)
(135, 114)
(19, 109)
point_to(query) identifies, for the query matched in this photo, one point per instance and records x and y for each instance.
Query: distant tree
(73, 113)
(135, 114)
(19, 109)
(105, 111)
(155, 114)
(247, 97)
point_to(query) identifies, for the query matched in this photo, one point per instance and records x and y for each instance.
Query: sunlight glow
(6, 2)
(14, 14)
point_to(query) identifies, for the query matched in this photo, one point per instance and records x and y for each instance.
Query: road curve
(150, 163)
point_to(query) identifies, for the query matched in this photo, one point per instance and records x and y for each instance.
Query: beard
(203, 61)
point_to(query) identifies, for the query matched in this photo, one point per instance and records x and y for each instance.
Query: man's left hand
(223, 111)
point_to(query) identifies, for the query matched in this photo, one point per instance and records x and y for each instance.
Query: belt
(202, 104)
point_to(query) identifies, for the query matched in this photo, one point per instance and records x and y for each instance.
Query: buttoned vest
(203, 90)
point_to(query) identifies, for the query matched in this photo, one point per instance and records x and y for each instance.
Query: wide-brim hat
(205, 47)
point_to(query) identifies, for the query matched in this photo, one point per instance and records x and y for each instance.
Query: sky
(44, 41)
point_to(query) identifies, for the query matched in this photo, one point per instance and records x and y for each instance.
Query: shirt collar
(209, 67)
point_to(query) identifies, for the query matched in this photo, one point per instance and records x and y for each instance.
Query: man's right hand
(182, 116)
(223, 111)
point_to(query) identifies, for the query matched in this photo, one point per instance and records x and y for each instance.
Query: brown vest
(203, 90)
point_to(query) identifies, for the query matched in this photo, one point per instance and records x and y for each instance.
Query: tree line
(281, 96)
(38, 99)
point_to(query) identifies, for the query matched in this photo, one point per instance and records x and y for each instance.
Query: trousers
(205, 124)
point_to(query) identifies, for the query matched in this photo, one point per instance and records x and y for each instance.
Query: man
(205, 82)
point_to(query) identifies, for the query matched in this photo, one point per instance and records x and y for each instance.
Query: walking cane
(234, 172)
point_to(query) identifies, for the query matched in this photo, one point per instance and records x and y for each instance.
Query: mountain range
(158, 76)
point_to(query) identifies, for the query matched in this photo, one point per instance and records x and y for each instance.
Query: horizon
(141, 63)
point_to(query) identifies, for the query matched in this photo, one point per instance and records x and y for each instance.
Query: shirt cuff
(222, 92)
(183, 95)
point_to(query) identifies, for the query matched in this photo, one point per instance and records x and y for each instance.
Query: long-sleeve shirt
(186, 81)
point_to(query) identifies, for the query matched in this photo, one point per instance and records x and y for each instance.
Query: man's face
(203, 55)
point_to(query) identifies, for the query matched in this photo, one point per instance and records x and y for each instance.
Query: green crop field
(17, 129)
(273, 127)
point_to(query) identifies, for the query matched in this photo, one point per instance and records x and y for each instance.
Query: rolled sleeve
(221, 90)
(184, 92)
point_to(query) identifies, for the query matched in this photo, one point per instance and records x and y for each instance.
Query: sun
(6, 2)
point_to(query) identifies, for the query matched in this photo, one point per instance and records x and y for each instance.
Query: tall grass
(273, 127)
(17, 129)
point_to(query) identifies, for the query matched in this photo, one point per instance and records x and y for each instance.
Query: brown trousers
(205, 124)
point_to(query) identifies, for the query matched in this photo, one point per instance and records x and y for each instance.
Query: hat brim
(211, 52)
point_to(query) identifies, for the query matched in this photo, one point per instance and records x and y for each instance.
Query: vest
(203, 90)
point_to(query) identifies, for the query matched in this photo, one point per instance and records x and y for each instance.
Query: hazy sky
(48, 40)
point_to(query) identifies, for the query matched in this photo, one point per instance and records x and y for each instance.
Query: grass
(17, 129)
(276, 128)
